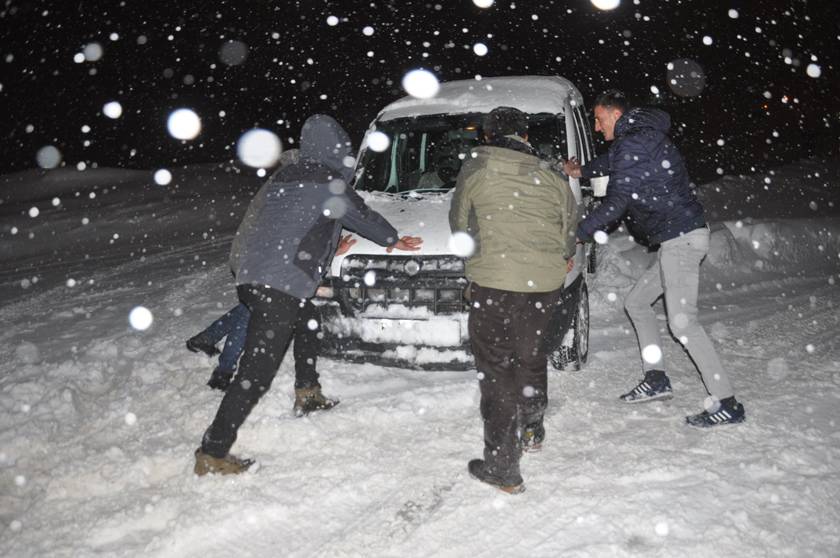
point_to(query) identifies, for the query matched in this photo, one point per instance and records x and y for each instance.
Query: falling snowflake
(259, 148)
(184, 124)
(421, 84)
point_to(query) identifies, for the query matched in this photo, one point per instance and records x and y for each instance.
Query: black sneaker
(656, 385)
(532, 437)
(220, 379)
(729, 412)
(199, 343)
(478, 470)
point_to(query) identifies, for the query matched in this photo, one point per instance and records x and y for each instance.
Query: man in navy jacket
(649, 187)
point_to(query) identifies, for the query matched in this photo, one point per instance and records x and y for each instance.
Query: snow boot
(656, 385)
(532, 437)
(479, 470)
(309, 400)
(227, 465)
(729, 412)
(220, 379)
(200, 343)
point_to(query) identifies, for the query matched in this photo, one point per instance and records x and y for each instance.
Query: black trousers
(507, 335)
(275, 318)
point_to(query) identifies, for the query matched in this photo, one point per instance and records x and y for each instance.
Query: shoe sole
(512, 490)
(299, 413)
(658, 397)
(729, 422)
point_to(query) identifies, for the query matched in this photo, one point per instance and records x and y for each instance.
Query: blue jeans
(233, 326)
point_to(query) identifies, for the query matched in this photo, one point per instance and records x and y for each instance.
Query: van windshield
(425, 153)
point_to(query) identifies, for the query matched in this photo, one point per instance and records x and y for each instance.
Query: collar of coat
(515, 143)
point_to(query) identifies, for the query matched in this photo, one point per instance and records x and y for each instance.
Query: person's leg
(492, 347)
(216, 331)
(529, 323)
(306, 346)
(234, 345)
(307, 343)
(235, 341)
(639, 307)
(270, 328)
(680, 264)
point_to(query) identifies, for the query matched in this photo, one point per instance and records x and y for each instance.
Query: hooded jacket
(649, 184)
(292, 226)
(521, 215)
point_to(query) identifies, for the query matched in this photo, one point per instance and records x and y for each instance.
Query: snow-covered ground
(99, 421)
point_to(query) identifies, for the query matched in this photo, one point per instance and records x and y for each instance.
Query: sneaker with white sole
(729, 412)
(655, 386)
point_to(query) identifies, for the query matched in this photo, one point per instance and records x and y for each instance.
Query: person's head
(609, 106)
(505, 121)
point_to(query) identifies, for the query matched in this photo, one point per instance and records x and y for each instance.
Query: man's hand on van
(344, 244)
(570, 264)
(406, 243)
(572, 168)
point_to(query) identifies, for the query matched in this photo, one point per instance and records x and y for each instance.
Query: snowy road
(98, 421)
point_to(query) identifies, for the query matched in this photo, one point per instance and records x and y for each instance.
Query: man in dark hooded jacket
(280, 254)
(649, 187)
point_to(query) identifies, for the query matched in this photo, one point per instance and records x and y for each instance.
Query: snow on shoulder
(530, 94)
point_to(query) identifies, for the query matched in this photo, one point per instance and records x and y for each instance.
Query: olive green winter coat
(522, 216)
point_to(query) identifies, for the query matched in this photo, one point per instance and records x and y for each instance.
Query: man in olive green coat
(521, 216)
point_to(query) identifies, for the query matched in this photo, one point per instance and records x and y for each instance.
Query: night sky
(269, 64)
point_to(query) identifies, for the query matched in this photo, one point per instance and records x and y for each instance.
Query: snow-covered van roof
(530, 94)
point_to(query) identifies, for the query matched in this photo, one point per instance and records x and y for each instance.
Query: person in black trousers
(279, 257)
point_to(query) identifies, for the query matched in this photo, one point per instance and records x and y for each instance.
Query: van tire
(574, 357)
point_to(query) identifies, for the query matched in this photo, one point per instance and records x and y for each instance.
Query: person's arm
(626, 175)
(459, 210)
(570, 222)
(599, 166)
(363, 220)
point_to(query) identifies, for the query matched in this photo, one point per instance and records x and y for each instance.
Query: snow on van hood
(530, 94)
(425, 215)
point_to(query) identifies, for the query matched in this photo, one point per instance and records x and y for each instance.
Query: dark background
(167, 56)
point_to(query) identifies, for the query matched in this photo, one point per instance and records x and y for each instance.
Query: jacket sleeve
(626, 172)
(363, 220)
(459, 211)
(599, 166)
(571, 220)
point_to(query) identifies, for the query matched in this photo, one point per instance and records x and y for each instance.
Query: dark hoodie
(649, 184)
(291, 229)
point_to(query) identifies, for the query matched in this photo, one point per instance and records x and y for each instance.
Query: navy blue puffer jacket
(649, 184)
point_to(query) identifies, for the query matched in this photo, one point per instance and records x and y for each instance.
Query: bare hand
(344, 244)
(572, 168)
(570, 264)
(406, 243)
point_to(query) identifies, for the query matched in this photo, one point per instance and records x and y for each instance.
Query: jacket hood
(325, 141)
(641, 118)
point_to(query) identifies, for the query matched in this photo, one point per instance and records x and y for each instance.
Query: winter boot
(227, 465)
(200, 343)
(729, 412)
(656, 385)
(220, 379)
(479, 470)
(532, 437)
(308, 400)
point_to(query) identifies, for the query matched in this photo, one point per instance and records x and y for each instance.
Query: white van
(407, 309)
